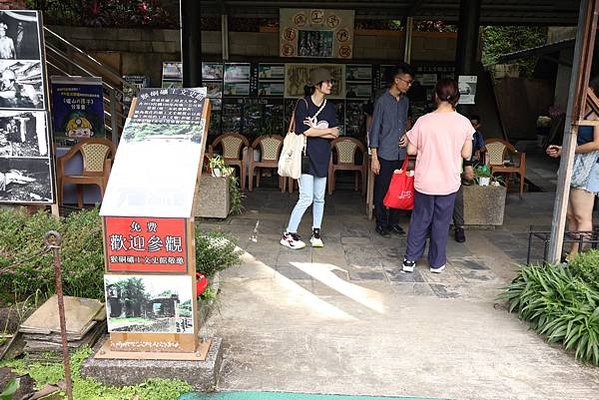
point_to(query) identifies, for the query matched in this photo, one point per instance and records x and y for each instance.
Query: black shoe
(459, 235)
(382, 231)
(397, 230)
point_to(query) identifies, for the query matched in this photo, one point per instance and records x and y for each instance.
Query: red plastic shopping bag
(401, 189)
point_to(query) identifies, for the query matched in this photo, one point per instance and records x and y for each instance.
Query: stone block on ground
(201, 375)
(213, 199)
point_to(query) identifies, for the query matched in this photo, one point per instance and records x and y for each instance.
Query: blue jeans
(311, 190)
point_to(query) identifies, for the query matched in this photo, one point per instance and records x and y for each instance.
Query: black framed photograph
(19, 35)
(25, 180)
(23, 134)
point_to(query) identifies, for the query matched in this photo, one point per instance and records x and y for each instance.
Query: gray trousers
(458, 209)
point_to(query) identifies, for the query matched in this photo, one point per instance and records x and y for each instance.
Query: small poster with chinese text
(77, 108)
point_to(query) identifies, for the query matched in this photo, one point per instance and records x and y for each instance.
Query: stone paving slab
(345, 319)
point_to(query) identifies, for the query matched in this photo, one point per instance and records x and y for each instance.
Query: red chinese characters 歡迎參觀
(152, 245)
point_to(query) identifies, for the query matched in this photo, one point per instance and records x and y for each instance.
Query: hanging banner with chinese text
(145, 244)
(77, 108)
(316, 33)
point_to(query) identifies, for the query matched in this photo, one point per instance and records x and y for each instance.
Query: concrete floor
(344, 320)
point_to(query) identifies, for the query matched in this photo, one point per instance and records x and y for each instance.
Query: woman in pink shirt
(440, 139)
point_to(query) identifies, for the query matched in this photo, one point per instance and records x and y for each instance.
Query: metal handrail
(105, 71)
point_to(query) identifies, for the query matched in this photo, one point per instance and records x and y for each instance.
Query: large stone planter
(213, 199)
(484, 205)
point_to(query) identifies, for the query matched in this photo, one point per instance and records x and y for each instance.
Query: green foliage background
(499, 40)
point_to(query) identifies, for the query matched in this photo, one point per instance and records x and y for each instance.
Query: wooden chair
(346, 149)
(496, 151)
(97, 155)
(232, 145)
(270, 149)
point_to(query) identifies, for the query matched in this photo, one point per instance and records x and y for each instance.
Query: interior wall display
(237, 72)
(77, 108)
(212, 71)
(172, 74)
(467, 88)
(298, 75)
(427, 79)
(19, 35)
(149, 304)
(271, 71)
(358, 89)
(231, 115)
(23, 134)
(215, 89)
(355, 118)
(271, 88)
(237, 89)
(26, 173)
(358, 72)
(21, 84)
(320, 33)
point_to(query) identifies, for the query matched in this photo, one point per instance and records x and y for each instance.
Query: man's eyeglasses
(408, 82)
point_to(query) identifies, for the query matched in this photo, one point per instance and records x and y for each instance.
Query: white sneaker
(292, 240)
(438, 270)
(407, 265)
(316, 240)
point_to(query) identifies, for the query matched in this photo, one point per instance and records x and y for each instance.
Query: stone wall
(144, 50)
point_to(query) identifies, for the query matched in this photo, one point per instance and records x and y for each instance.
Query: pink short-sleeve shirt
(439, 138)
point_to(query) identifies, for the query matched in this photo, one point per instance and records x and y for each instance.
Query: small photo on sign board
(271, 71)
(21, 84)
(19, 35)
(23, 134)
(25, 180)
(149, 304)
(136, 244)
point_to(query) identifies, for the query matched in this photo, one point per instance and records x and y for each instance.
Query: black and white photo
(19, 35)
(23, 134)
(25, 180)
(21, 84)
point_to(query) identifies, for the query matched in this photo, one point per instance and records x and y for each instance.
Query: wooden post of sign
(581, 70)
(189, 347)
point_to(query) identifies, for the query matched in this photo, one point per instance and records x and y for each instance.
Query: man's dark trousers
(381, 185)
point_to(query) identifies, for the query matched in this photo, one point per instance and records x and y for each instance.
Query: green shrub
(90, 389)
(25, 271)
(560, 305)
(586, 265)
(215, 252)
